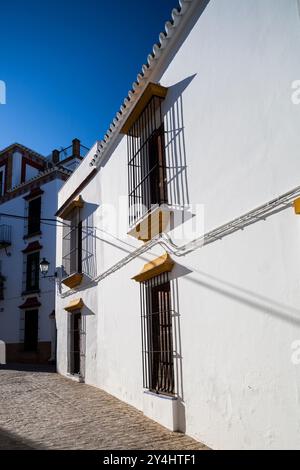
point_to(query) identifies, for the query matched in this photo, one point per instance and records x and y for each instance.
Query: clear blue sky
(68, 65)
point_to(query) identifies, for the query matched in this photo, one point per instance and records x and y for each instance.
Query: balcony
(79, 152)
(76, 151)
(5, 236)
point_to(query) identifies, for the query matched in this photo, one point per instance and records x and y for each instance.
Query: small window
(31, 330)
(32, 272)
(34, 216)
(157, 336)
(72, 244)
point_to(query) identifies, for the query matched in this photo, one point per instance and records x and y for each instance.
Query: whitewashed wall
(238, 298)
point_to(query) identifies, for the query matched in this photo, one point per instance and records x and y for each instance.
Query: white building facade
(196, 324)
(29, 184)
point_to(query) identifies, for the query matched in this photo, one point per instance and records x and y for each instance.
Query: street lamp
(44, 268)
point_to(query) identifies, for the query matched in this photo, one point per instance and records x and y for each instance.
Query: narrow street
(39, 409)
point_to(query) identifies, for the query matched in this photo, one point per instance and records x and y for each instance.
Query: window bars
(146, 162)
(76, 344)
(72, 245)
(32, 279)
(157, 335)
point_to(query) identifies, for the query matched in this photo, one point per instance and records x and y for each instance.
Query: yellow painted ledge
(73, 280)
(163, 264)
(296, 205)
(152, 89)
(75, 304)
(78, 203)
(157, 221)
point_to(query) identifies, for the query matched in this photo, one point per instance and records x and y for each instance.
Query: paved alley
(39, 409)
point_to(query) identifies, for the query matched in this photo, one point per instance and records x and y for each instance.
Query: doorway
(76, 337)
(31, 330)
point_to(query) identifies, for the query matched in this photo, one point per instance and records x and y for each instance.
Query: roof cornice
(46, 175)
(23, 148)
(46, 172)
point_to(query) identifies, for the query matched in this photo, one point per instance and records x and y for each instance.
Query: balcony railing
(76, 150)
(5, 236)
(69, 152)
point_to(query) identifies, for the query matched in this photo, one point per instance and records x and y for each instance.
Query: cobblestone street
(42, 410)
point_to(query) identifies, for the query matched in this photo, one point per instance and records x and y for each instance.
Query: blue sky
(68, 65)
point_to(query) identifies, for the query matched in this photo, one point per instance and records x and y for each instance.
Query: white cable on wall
(259, 213)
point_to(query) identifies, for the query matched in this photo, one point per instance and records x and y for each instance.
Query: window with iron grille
(72, 244)
(146, 161)
(76, 343)
(32, 272)
(34, 216)
(74, 332)
(157, 335)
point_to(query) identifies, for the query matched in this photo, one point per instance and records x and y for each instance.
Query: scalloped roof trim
(134, 93)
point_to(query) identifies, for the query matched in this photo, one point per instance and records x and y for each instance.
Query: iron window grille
(146, 162)
(32, 280)
(76, 344)
(72, 245)
(157, 335)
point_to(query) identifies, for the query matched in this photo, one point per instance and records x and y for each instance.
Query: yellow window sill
(73, 280)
